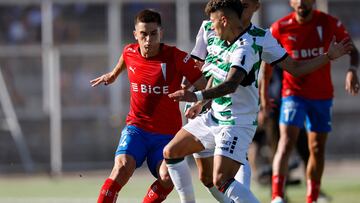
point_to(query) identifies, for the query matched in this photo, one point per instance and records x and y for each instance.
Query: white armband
(199, 95)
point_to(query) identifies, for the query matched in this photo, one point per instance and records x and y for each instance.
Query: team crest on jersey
(186, 59)
(163, 69)
(131, 50)
(320, 32)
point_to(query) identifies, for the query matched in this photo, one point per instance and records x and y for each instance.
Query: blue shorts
(294, 110)
(143, 145)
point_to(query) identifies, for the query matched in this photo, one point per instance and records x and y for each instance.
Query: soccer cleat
(278, 200)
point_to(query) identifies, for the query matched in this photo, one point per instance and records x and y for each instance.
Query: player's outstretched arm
(299, 68)
(110, 77)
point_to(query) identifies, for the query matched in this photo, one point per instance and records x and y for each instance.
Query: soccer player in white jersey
(271, 52)
(230, 124)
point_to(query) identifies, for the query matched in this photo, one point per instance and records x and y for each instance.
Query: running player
(154, 69)
(271, 51)
(230, 124)
(307, 33)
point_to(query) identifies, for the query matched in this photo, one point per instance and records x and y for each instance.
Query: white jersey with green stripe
(246, 53)
(271, 52)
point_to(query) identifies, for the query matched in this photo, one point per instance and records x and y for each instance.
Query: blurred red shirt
(305, 41)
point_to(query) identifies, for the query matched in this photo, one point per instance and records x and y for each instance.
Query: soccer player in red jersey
(154, 70)
(305, 34)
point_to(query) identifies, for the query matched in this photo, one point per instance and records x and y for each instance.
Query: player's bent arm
(110, 77)
(299, 68)
(234, 78)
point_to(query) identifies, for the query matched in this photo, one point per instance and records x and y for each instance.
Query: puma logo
(132, 69)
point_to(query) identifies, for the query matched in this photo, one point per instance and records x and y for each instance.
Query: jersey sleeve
(339, 30)
(243, 58)
(272, 50)
(186, 65)
(199, 51)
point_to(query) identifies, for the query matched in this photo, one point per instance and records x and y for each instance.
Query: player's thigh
(292, 111)
(188, 139)
(132, 143)
(156, 145)
(318, 118)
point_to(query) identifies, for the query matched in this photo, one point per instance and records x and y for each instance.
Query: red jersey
(151, 80)
(305, 41)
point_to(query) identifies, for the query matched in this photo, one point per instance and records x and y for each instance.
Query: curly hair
(215, 5)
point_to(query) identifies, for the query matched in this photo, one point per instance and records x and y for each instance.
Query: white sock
(244, 175)
(240, 194)
(219, 196)
(181, 177)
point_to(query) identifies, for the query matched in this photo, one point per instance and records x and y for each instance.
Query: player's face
(148, 36)
(218, 25)
(302, 7)
(250, 7)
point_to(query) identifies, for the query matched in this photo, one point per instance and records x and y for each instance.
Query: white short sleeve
(199, 49)
(272, 50)
(243, 57)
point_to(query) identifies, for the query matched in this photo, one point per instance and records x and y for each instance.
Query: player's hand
(193, 111)
(352, 83)
(267, 107)
(107, 79)
(339, 49)
(183, 95)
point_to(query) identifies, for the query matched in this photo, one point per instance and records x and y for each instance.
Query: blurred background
(52, 120)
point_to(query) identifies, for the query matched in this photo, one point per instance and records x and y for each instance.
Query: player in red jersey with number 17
(307, 33)
(154, 70)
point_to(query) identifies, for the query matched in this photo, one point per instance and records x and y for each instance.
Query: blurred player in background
(305, 34)
(154, 69)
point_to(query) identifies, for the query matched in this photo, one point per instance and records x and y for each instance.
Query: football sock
(238, 192)
(244, 175)
(313, 189)
(278, 184)
(181, 176)
(156, 193)
(109, 191)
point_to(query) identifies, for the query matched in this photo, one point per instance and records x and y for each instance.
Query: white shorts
(204, 154)
(227, 140)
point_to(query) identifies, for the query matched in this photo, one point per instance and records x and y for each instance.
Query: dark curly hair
(215, 5)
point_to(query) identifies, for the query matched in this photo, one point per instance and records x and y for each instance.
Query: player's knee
(317, 149)
(169, 152)
(285, 147)
(123, 168)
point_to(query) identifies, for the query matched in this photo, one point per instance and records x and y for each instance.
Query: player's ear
(161, 32)
(134, 33)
